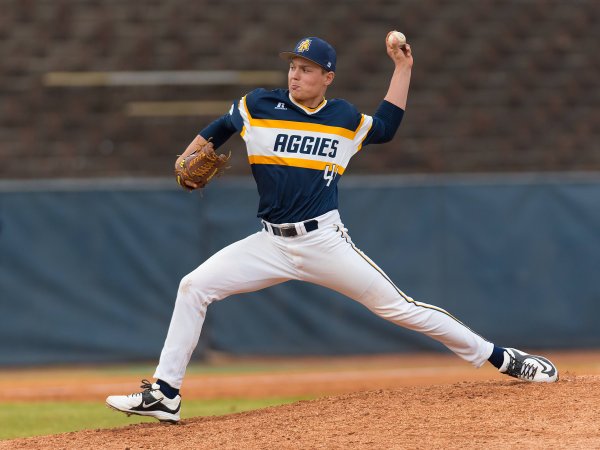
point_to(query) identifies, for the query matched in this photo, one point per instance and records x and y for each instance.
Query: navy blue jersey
(298, 153)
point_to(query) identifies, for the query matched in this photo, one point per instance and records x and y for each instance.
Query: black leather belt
(290, 230)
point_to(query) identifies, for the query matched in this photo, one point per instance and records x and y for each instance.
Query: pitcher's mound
(490, 414)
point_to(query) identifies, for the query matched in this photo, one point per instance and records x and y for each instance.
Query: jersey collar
(306, 109)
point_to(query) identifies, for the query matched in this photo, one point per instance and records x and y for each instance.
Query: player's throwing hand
(399, 52)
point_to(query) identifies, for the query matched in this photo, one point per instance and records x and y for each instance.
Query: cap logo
(303, 46)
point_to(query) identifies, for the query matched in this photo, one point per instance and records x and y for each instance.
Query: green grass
(196, 368)
(41, 418)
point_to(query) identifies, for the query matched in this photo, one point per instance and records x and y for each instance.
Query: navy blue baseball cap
(315, 50)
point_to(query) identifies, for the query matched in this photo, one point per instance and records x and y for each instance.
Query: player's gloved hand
(197, 169)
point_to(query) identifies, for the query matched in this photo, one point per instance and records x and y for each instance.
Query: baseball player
(299, 144)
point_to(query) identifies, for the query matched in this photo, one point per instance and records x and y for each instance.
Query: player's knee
(193, 289)
(191, 298)
(188, 289)
(185, 286)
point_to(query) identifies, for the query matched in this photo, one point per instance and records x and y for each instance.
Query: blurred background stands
(497, 85)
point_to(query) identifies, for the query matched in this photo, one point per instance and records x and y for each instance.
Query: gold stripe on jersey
(257, 132)
(360, 144)
(303, 126)
(293, 162)
(243, 102)
(242, 112)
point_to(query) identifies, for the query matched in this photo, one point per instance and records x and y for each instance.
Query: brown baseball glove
(200, 167)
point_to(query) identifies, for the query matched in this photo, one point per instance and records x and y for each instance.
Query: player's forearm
(218, 132)
(399, 84)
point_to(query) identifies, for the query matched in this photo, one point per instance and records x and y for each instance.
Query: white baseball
(396, 38)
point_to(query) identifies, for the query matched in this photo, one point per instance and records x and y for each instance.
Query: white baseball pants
(325, 256)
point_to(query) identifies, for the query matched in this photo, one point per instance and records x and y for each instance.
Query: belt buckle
(288, 231)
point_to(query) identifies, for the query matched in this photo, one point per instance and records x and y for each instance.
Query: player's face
(308, 82)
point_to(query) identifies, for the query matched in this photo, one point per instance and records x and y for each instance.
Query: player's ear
(329, 78)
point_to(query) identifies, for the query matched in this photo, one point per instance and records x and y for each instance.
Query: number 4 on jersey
(330, 173)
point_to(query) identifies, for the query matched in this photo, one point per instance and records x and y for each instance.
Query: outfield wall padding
(89, 270)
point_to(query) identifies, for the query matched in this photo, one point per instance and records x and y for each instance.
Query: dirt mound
(489, 414)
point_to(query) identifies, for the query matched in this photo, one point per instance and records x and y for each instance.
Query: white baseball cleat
(528, 367)
(150, 402)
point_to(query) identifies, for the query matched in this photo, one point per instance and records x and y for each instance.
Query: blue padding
(91, 275)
